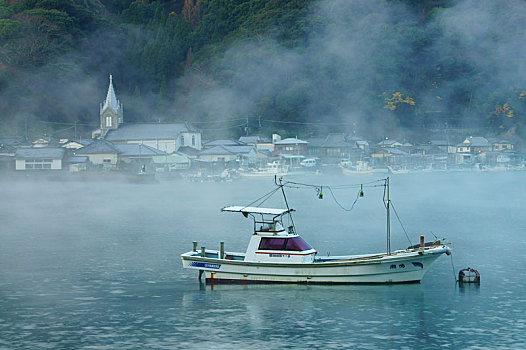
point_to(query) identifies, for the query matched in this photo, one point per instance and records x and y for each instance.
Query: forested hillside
(354, 65)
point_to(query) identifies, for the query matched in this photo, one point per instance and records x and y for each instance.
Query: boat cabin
(271, 242)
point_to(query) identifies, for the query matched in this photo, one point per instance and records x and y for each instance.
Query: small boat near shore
(277, 253)
(272, 169)
(360, 168)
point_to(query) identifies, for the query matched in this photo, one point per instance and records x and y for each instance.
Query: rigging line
(353, 186)
(366, 184)
(269, 194)
(341, 206)
(400, 221)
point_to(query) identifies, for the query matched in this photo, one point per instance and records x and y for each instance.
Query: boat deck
(215, 254)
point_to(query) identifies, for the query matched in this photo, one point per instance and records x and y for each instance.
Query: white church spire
(111, 99)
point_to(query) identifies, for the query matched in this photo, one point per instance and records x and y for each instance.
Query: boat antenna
(282, 185)
(387, 203)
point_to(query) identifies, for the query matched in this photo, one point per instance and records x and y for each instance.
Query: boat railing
(273, 226)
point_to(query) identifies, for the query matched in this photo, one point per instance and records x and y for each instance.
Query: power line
(66, 123)
(303, 123)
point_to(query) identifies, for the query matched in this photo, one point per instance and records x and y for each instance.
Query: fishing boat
(277, 253)
(360, 168)
(272, 169)
(396, 169)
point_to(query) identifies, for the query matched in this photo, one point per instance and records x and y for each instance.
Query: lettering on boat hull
(205, 265)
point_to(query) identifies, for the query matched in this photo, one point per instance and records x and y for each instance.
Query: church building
(167, 137)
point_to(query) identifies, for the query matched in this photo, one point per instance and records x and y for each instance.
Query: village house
(389, 143)
(501, 145)
(333, 148)
(40, 158)
(44, 141)
(292, 146)
(7, 156)
(101, 153)
(472, 150)
(136, 156)
(78, 163)
(76, 144)
(214, 143)
(390, 156)
(360, 143)
(261, 143)
(171, 162)
(235, 155)
(474, 145)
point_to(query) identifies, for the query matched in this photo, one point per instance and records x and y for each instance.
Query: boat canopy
(256, 210)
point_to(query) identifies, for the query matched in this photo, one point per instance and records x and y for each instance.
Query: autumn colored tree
(190, 12)
(397, 98)
(504, 111)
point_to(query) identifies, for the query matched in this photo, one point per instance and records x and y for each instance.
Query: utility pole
(246, 129)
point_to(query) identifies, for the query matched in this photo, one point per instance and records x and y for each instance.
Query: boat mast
(281, 185)
(387, 207)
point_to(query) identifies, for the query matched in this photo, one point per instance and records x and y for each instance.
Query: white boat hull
(400, 267)
(263, 173)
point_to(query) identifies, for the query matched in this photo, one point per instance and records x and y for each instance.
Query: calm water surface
(95, 265)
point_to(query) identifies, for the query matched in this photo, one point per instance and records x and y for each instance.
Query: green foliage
(9, 29)
(161, 49)
(5, 11)
(139, 12)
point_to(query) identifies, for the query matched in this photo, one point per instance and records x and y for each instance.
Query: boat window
(297, 243)
(291, 244)
(272, 243)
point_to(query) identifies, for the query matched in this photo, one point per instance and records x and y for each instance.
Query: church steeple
(111, 99)
(111, 111)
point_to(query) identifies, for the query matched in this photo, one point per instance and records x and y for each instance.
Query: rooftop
(290, 141)
(42, 152)
(98, 147)
(148, 131)
(137, 150)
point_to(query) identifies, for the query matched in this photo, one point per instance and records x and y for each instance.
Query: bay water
(96, 265)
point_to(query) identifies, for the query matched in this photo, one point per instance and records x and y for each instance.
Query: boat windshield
(294, 244)
(297, 243)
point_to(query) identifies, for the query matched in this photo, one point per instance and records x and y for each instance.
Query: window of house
(108, 121)
(193, 140)
(182, 140)
(106, 160)
(38, 163)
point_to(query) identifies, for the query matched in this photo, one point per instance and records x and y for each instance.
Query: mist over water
(96, 265)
